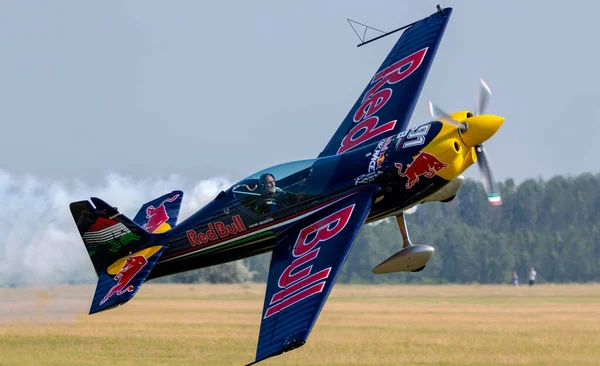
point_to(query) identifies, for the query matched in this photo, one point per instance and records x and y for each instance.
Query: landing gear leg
(404, 231)
(411, 258)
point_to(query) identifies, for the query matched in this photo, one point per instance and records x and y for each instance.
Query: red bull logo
(133, 265)
(424, 164)
(157, 215)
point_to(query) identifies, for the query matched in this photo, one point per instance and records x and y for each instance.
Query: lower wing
(305, 263)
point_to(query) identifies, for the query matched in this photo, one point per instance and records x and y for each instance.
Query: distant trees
(553, 225)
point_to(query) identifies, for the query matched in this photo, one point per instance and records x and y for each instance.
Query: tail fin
(160, 214)
(123, 253)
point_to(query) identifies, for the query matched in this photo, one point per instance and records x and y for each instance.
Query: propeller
(489, 185)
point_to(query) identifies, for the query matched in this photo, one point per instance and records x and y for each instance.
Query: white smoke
(39, 241)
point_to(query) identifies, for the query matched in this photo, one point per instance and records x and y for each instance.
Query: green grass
(359, 325)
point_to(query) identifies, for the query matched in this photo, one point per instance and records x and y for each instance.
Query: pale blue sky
(201, 89)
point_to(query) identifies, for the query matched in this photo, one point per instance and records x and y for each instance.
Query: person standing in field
(515, 278)
(532, 274)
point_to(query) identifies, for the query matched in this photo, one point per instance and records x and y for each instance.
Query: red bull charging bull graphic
(424, 164)
(157, 215)
(133, 265)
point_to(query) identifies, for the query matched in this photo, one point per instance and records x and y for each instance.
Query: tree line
(553, 225)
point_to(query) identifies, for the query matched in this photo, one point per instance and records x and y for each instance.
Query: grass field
(359, 325)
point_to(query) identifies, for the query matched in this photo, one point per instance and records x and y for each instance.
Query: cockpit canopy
(285, 185)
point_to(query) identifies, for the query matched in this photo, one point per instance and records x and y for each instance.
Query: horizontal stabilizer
(121, 281)
(160, 214)
(122, 252)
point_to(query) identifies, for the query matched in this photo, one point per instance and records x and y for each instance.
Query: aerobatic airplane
(308, 213)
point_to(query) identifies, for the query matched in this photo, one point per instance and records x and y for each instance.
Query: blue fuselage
(238, 223)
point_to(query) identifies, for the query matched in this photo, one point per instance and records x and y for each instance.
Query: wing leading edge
(387, 103)
(304, 266)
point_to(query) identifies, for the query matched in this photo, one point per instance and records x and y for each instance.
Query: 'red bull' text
(366, 121)
(215, 231)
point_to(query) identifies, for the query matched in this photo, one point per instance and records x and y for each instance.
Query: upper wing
(385, 106)
(305, 263)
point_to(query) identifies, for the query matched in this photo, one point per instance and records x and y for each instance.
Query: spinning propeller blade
(483, 98)
(489, 184)
(437, 113)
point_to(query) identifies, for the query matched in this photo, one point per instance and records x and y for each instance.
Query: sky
(147, 89)
(130, 100)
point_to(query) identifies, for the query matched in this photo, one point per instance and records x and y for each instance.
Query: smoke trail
(39, 242)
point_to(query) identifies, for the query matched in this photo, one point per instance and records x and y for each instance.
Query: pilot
(273, 197)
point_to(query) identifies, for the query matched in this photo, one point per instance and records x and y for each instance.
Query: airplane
(308, 213)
